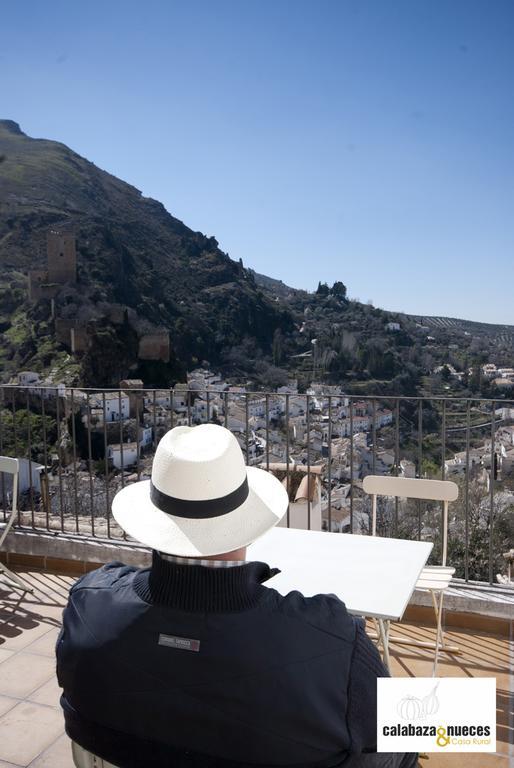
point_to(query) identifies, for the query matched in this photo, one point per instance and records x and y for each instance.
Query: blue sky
(364, 141)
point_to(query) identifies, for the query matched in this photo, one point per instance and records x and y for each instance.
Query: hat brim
(264, 507)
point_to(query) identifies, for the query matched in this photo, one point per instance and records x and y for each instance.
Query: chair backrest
(11, 466)
(412, 488)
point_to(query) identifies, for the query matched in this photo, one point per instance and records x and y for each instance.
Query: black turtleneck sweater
(203, 588)
(186, 665)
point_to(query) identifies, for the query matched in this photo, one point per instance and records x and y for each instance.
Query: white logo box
(461, 710)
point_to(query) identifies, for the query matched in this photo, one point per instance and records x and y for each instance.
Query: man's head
(202, 500)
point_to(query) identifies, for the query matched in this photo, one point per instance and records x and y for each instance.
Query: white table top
(373, 576)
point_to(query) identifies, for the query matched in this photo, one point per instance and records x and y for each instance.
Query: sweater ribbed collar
(198, 588)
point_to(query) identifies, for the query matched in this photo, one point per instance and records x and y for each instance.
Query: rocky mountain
(130, 252)
(122, 288)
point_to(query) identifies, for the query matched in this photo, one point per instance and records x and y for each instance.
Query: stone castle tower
(61, 266)
(61, 257)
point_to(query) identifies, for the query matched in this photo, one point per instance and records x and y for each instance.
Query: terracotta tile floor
(31, 725)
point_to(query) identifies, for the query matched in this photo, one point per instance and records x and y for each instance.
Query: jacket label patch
(182, 643)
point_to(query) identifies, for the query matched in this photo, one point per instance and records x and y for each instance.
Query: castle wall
(155, 346)
(71, 334)
(37, 278)
(40, 287)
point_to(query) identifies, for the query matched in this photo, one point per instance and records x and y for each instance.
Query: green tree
(475, 380)
(339, 289)
(277, 349)
(24, 428)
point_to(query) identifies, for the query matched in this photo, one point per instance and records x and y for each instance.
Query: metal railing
(78, 447)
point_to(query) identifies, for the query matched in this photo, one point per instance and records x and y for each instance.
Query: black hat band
(199, 508)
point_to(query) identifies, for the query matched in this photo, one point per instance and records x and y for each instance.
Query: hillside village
(106, 439)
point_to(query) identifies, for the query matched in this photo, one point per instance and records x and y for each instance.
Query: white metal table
(373, 576)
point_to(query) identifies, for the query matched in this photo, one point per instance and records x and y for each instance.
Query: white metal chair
(434, 578)
(11, 467)
(84, 759)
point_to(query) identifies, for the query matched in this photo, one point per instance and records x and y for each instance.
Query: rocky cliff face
(130, 252)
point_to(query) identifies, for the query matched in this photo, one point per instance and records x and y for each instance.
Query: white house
(28, 378)
(384, 417)
(506, 459)
(158, 397)
(392, 327)
(489, 370)
(199, 409)
(145, 437)
(257, 406)
(203, 379)
(236, 419)
(506, 414)
(502, 382)
(117, 406)
(180, 398)
(123, 455)
(296, 405)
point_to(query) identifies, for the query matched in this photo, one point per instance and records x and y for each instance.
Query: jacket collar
(198, 588)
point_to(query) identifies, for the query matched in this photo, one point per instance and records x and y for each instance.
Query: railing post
(308, 465)
(89, 464)
(420, 459)
(443, 465)
(59, 466)
(46, 495)
(396, 461)
(246, 430)
(374, 437)
(2, 404)
(350, 405)
(288, 486)
(267, 431)
(466, 491)
(491, 489)
(106, 463)
(29, 456)
(122, 461)
(329, 481)
(74, 443)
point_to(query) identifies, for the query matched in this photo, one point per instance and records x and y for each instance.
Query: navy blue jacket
(183, 665)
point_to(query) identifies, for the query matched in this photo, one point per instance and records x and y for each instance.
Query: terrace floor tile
(44, 724)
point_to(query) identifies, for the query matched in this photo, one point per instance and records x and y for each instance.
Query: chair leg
(377, 631)
(438, 607)
(384, 626)
(14, 581)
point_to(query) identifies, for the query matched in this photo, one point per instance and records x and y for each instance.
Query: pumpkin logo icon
(412, 708)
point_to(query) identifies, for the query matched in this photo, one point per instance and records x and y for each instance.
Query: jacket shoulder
(325, 612)
(104, 577)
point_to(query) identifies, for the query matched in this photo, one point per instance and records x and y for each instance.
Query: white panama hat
(202, 498)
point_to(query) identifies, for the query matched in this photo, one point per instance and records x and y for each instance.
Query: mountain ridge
(131, 251)
(135, 255)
